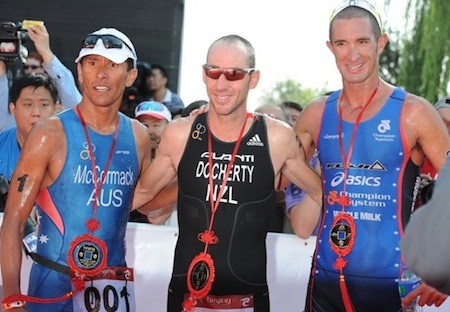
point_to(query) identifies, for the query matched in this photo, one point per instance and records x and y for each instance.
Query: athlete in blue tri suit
(80, 168)
(371, 138)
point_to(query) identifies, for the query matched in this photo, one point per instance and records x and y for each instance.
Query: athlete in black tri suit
(229, 163)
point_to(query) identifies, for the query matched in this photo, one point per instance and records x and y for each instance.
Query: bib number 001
(109, 299)
(106, 295)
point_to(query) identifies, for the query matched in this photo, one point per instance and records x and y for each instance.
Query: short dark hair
(237, 40)
(290, 104)
(160, 68)
(355, 12)
(35, 80)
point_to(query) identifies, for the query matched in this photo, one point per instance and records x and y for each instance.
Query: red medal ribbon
(93, 224)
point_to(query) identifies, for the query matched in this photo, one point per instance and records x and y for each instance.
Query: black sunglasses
(231, 74)
(109, 42)
(31, 66)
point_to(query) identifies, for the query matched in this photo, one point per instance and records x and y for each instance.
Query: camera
(11, 37)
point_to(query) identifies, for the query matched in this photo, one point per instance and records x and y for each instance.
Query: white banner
(150, 250)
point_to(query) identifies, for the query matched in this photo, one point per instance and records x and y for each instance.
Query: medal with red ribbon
(201, 271)
(343, 230)
(88, 253)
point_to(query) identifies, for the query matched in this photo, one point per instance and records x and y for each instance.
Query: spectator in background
(157, 83)
(144, 71)
(155, 116)
(292, 110)
(33, 98)
(33, 63)
(273, 111)
(138, 92)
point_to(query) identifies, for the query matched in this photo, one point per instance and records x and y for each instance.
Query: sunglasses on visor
(109, 42)
(231, 74)
(150, 106)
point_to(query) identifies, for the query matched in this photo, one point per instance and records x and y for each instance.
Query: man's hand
(201, 110)
(39, 35)
(428, 296)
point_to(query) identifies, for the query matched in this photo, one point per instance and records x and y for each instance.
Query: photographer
(63, 77)
(65, 82)
(6, 120)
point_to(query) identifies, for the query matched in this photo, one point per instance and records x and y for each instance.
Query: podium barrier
(150, 250)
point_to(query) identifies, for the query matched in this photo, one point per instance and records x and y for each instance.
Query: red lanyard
(208, 236)
(93, 224)
(347, 158)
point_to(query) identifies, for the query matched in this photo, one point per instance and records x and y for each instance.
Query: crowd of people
(344, 167)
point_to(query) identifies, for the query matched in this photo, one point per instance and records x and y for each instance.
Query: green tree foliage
(289, 90)
(389, 69)
(424, 49)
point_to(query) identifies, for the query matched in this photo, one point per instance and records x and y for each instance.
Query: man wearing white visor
(80, 168)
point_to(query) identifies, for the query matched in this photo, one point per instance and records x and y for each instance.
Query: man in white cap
(91, 153)
(155, 116)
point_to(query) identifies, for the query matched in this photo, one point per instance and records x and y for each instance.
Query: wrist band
(12, 305)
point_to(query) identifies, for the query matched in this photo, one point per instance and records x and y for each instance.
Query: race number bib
(110, 291)
(232, 303)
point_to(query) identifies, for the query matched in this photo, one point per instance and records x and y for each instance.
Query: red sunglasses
(231, 74)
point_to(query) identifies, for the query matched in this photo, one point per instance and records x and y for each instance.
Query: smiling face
(227, 96)
(103, 81)
(356, 48)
